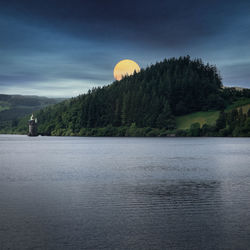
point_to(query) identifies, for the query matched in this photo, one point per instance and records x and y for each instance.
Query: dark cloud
(54, 41)
(165, 23)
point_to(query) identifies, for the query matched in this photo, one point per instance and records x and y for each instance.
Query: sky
(62, 48)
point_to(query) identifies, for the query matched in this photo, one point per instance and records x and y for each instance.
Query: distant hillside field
(245, 108)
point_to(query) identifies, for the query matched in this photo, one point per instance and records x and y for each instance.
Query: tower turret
(32, 126)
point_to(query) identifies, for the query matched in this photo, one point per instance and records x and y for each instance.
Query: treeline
(234, 124)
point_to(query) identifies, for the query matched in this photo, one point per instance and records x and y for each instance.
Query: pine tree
(221, 121)
(165, 118)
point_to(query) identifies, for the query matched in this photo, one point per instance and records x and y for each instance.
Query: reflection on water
(124, 193)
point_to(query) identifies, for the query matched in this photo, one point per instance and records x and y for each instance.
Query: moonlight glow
(125, 67)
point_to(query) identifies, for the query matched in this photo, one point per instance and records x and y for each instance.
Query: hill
(13, 107)
(147, 103)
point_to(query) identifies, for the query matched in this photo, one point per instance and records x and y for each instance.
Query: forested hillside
(146, 103)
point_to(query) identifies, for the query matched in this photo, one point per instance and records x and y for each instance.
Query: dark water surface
(124, 193)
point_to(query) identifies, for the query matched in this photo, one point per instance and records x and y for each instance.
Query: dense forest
(146, 104)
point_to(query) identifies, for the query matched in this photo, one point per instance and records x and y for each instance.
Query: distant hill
(151, 103)
(13, 107)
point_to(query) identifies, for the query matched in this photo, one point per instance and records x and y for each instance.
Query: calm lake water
(124, 193)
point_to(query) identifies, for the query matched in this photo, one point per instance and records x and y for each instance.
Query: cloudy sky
(63, 48)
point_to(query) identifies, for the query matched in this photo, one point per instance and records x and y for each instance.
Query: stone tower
(32, 126)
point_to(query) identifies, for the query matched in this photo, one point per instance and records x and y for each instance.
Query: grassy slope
(245, 108)
(209, 117)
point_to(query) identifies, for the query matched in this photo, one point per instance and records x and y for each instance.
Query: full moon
(125, 67)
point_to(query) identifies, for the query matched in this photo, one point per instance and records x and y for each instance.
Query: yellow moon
(125, 67)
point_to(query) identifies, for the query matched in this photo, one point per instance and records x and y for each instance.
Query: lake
(124, 193)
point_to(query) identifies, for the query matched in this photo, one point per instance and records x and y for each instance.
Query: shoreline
(114, 136)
